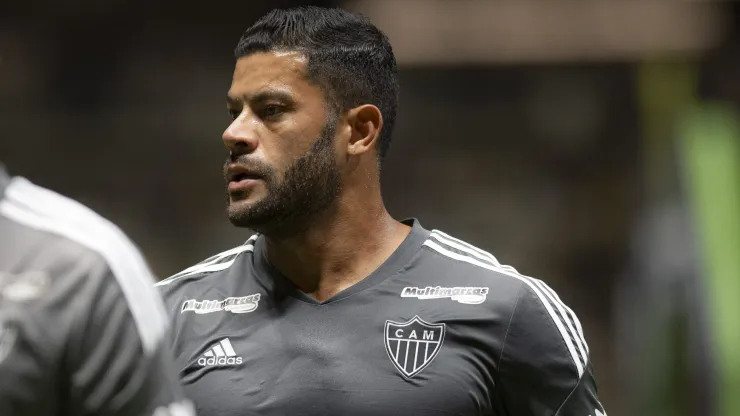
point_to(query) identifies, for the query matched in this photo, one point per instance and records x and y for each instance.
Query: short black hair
(349, 58)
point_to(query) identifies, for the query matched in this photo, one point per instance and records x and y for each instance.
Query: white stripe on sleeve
(48, 211)
(556, 319)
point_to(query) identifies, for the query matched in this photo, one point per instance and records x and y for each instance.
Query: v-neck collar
(276, 282)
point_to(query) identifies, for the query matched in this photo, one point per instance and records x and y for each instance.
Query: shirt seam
(557, 412)
(519, 297)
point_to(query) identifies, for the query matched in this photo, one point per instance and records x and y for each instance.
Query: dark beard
(309, 187)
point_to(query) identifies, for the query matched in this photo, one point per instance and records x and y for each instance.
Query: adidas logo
(220, 354)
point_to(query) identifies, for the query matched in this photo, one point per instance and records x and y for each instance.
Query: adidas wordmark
(220, 354)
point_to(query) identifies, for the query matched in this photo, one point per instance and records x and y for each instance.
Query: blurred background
(592, 144)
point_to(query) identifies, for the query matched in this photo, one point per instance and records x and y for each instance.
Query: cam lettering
(414, 334)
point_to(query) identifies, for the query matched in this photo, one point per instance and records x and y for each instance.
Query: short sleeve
(544, 368)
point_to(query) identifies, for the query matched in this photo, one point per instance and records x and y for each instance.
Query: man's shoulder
(26, 248)
(475, 268)
(68, 241)
(453, 255)
(537, 314)
(44, 229)
(38, 229)
(211, 268)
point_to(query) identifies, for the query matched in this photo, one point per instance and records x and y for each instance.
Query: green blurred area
(710, 149)
(694, 141)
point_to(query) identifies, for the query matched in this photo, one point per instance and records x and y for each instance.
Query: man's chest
(371, 355)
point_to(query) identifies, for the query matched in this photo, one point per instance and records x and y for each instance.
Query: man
(334, 307)
(81, 327)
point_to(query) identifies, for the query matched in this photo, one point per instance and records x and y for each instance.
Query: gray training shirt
(81, 327)
(440, 329)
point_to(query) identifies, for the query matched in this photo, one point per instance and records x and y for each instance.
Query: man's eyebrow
(261, 96)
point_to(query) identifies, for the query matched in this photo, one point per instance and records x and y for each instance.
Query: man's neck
(339, 251)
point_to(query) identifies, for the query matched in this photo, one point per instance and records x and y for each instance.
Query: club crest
(412, 345)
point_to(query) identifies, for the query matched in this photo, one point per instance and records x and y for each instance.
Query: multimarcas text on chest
(468, 295)
(241, 304)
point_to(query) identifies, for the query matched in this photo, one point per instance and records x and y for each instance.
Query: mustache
(255, 166)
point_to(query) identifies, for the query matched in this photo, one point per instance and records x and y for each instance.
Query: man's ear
(365, 122)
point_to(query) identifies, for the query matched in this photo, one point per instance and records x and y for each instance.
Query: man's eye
(272, 110)
(234, 113)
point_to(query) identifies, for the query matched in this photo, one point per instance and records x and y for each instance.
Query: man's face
(281, 171)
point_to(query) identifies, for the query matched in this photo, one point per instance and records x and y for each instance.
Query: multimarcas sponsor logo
(243, 304)
(468, 295)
